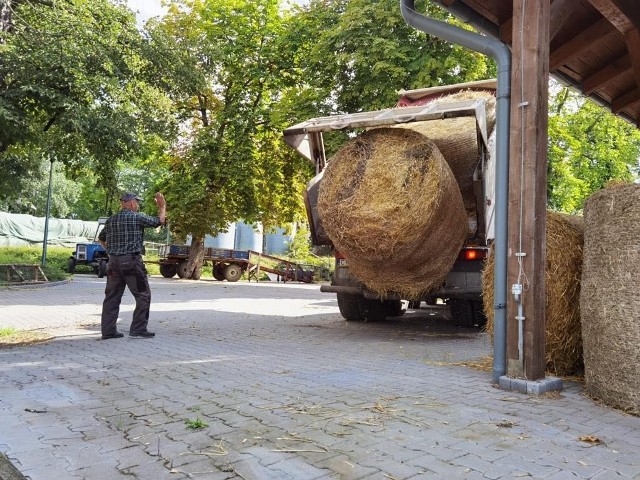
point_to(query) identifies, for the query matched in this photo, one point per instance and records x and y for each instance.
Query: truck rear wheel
(232, 273)
(356, 308)
(394, 308)
(218, 271)
(467, 313)
(350, 307)
(168, 270)
(375, 310)
(71, 265)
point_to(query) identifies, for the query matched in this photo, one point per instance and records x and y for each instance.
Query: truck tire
(478, 313)
(102, 268)
(394, 308)
(168, 270)
(181, 269)
(218, 271)
(350, 307)
(71, 265)
(464, 312)
(374, 310)
(233, 272)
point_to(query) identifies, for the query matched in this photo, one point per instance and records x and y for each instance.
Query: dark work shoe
(145, 334)
(113, 335)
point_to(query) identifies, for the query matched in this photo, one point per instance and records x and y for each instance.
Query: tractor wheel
(218, 271)
(168, 270)
(182, 269)
(232, 273)
(102, 268)
(71, 266)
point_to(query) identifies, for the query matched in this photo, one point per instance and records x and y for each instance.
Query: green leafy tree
(588, 147)
(356, 55)
(72, 89)
(222, 64)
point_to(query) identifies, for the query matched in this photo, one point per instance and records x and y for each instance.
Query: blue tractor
(92, 254)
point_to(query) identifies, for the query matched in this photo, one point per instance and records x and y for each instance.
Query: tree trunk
(196, 257)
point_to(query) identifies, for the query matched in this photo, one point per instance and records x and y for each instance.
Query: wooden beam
(608, 74)
(632, 38)
(626, 100)
(580, 43)
(506, 31)
(561, 10)
(528, 186)
(609, 10)
(630, 9)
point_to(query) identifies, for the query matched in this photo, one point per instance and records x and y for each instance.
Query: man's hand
(162, 207)
(160, 201)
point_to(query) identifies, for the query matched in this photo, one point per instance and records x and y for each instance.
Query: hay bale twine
(563, 269)
(609, 301)
(389, 202)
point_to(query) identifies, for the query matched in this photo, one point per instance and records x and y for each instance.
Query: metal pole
(46, 218)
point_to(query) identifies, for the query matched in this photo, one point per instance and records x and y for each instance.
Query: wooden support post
(528, 186)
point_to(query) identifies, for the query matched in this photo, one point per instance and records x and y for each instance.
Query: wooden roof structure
(594, 45)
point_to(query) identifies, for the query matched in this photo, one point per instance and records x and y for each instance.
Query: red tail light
(337, 254)
(470, 254)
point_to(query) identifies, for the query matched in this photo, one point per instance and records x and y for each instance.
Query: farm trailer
(230, 265)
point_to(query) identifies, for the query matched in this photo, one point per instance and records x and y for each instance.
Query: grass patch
(196, 424)
(9, 337)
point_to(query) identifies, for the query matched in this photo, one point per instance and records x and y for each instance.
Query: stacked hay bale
(609, 301)
(565, 237)
(390, 203)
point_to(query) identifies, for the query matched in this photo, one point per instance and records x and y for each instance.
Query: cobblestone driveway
(287, 390)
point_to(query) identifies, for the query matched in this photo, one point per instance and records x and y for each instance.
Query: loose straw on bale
(610, 300)
(563, 269)
(390, 204)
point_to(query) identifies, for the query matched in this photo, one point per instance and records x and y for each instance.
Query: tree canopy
(588, 147)
(72, 90)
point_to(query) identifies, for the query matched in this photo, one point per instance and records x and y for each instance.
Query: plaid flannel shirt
(124, 232)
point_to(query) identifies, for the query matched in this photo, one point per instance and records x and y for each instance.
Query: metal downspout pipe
(501, 54)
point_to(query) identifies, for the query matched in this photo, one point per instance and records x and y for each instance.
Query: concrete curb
(24, 286)
(8, 471)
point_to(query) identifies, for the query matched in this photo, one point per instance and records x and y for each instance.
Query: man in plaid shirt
(122, 237)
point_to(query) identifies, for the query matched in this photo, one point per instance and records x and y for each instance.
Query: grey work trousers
(126, 270)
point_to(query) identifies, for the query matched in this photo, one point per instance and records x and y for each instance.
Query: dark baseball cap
(130, 196)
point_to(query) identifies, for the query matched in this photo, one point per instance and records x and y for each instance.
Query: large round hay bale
(389, 202)
(609, 301)
(563, 269)
(457, 140)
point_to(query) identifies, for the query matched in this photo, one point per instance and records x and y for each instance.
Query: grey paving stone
(273, 367)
